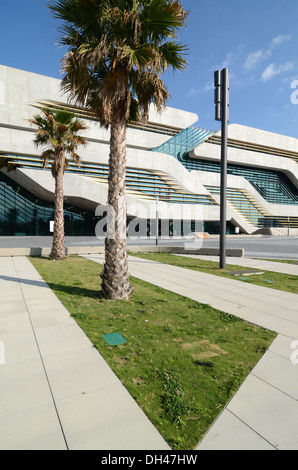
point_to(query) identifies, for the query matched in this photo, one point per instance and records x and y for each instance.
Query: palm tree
(58, 131)
(117, 53)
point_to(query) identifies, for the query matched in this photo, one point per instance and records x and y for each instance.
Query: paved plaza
(57, 392)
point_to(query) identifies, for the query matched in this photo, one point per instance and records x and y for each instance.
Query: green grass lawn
(182, 361)
(285, 282)
(287, 261)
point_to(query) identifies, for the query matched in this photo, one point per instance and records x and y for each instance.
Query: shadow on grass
(70, 290)
(77, 291)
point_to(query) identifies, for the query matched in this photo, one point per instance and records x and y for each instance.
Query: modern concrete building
(170, 161)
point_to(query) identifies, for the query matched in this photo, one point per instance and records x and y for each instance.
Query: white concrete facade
(23, 93)
(266, 155)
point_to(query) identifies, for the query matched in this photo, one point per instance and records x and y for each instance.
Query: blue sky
(256, 40)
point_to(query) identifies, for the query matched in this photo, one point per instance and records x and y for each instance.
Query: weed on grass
(171, 343)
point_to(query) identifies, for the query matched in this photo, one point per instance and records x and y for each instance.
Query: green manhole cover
(113, 339)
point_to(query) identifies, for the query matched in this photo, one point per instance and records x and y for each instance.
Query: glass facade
(147, 183)
(183, 142)
(274, 186)
(22, 213)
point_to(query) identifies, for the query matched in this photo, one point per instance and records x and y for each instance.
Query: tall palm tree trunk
(58, 247)
(115, 276)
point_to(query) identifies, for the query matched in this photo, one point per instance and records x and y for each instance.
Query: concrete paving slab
(230, 433)
(224, 292)
(221, 294)
(61, 366)
(263, 414)
(265, 319)
(269, 412)
(34, 428)
(23, 384)
(12, 306)
(262, 411)
(61, 394)
(44, 317)
(284, 346)
(19, 344)
(275, 266)
(78, 372)
(61, 339)
(14, 322)
(8, 292)
(107, 420)
(285, 380)
(283, 327)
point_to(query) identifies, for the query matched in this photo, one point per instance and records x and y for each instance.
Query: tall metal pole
(157, 222)
(221, 100)
(223, 178)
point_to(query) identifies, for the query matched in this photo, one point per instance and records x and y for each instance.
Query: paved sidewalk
(263, 265)
(56, 391)
(264, 412)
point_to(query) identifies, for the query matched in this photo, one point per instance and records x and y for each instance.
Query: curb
(235, 252)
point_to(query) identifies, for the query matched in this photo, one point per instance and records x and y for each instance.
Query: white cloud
(194, 91)
(228, 60)
(269, 73)
(231, 58)
(277, 40)
(272, 70)
(209, 86)
(255, 57)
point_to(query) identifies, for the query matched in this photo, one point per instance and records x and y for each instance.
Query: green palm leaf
(108, 40)
(58, 132)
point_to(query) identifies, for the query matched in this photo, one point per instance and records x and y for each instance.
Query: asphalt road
(257, 247)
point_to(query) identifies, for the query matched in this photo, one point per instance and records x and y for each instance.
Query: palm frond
(172, 56)
(114, 43)
(58, 130)
(46, 156)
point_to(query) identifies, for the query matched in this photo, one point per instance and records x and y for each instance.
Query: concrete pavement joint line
(224, 280)
(270, 266)
(161, 264)
(159, 277)
(252, 429)
(231, 282)
(238, 304)
(273, 386)
(40, 355)
(266, 398)
(273, 353)
(76, 426)
(219, 298)
(278, 354)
